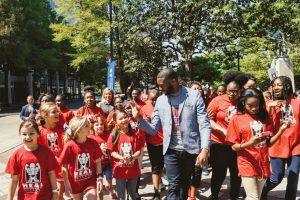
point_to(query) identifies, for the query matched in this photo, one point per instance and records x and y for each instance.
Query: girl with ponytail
(52, 133)
(125, 146)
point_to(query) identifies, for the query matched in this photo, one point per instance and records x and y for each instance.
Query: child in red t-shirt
(250, 132)
(134, 125)
(61, 103)
(101, 136)
(52, 133)
(80, 160)
(125, 146)
(32, 167)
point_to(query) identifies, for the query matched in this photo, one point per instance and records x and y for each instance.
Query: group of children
(63, 158)
(68, 157)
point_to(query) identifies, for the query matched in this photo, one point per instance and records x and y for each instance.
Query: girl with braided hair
(284, 107)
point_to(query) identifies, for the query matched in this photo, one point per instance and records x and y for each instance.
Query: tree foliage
(26, 39)
(85, 26)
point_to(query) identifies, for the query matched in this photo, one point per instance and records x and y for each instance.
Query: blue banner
(111, 75)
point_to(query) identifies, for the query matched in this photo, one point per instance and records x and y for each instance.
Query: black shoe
(162, 186)
(156, 196)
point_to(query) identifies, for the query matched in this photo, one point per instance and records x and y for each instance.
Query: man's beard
(169, 90)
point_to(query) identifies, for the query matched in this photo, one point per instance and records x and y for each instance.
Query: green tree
(85, 26)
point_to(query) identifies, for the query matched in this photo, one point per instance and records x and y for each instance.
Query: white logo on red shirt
(257, 130)
(32, 178)
(134, 125)
(83, 170)
(126, 151)
(92, 117)
(52, 139)
(287, 114)
(230, 112)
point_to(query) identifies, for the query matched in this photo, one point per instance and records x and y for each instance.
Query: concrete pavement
(9, 142)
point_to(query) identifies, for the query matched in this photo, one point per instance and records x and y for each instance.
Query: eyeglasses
(232, 91)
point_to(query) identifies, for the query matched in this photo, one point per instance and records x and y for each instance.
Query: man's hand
(135, 112)
(202, 158)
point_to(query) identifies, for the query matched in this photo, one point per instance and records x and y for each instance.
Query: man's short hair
(167, 73)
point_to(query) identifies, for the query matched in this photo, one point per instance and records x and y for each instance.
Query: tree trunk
(188, 64)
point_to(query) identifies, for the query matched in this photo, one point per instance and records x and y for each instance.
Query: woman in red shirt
(90, 110)
(32, 167)
(220, 110)
(52, 133)
(80, 160)
(125, 147)
(287, 150)
(250, 132)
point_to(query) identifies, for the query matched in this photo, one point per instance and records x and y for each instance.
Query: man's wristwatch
(55, 190)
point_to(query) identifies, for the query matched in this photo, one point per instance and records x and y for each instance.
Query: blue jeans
(179, 167)
(278, 168)
(126, 184)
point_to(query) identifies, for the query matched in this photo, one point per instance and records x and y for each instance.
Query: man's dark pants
(179, 167)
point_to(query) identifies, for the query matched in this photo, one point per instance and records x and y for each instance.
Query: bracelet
(241, 147)
(55, 190)
(131, 158)
(99, 177)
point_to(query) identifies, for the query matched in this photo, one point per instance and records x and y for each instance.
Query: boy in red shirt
(33, 167)
(61, 103)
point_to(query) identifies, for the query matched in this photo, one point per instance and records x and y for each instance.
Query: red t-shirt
(139, 103)
(110, 116)
(102, 140)
(33, 168)
(144, 97)
(134, 125)
(80, 159)
(67, 114)
(146, 112)
(254, 160)
(91, 113)
(221, 109)
(52, 139)
(289, 142)
(127, 145)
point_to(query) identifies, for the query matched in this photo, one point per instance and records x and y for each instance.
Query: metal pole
(111, 32)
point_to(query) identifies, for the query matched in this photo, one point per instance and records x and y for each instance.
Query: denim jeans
(126, 184)
(278, 169)
(179, 167)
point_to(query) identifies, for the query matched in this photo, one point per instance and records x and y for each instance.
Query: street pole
(111, 32)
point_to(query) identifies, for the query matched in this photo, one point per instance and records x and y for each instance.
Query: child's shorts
(107, 173)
